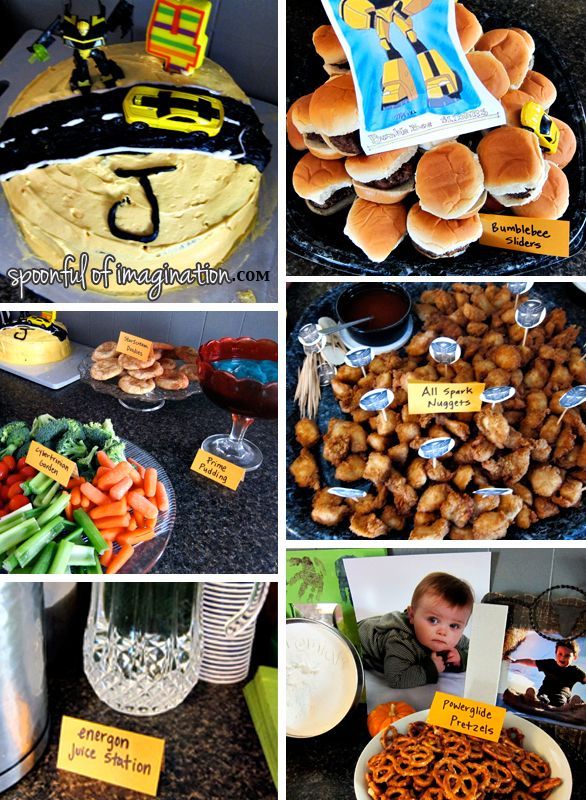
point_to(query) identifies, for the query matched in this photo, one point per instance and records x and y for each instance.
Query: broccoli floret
(46, 430)
(94, 434)
(71, 447)
(12, 437)
(114, 449)
(75, 429)
(23, 449)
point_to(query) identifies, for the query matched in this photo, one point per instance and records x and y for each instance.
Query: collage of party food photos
(292, 400)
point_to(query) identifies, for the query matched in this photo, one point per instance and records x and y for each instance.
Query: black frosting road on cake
(80, 126)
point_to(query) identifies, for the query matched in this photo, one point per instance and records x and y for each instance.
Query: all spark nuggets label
(430, 398)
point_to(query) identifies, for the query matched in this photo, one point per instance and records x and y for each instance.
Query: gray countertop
(216, 530)
(209, 753)
(562, 23)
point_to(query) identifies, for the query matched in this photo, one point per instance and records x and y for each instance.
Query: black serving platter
(569, 524)
(321, 240)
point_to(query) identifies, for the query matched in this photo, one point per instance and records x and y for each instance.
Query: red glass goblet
(247, 399)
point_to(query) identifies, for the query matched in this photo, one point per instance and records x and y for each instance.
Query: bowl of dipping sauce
(388, 304)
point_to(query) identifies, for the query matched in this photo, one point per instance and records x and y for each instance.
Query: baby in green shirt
(412, 647)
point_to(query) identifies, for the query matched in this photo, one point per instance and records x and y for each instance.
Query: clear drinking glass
(143, 644)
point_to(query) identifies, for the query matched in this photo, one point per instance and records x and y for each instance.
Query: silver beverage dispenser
(24, 718)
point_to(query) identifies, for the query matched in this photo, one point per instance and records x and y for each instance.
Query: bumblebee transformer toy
(442, 84)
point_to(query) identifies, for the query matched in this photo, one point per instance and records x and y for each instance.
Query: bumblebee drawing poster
(413, 81)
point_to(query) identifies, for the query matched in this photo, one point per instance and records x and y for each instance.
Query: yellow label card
(546, 237)
(134, 346)
(466, 716)
(50, 463)
(111, 755)
(216, 469)
(438, 398)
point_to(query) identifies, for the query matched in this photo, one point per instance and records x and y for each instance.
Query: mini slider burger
(333, 112)
(449, 181)
(540, 88)
(513, 165)
(384, 178)
(554, 199)
(468, 27)
(566, 145)
(312, 140)
(328, 47)
(325, 186)
(511, 49)
(490, 72)
(376, 229)
(441, 238)
(294, 135)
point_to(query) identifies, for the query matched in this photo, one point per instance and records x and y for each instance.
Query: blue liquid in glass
(263, 371)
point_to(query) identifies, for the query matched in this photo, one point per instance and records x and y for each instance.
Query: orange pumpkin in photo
(385, 714)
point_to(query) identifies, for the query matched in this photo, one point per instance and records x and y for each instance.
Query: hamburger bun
(468, 27)
(325, 186)
(513, 101)
(294, 135)
(529, 40)
(512, 51)
(376, 229)
(440, 238)
(513, 165)
(449, 180)
(312, 139)
(384, 177)
(566, 147)
(540, 88)
(490, 72)
(328, 47)
(333, 112)
(553, 201)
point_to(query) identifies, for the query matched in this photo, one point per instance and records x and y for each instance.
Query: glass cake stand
(152, 401)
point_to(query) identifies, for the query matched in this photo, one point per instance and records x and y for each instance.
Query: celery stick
(56, 508)
(42, 562)
(61, 559)
(81, 555)
(10, 564)
(47, 497)
(17, 534)
(37, 485)
(93, 534)
(75, 536)
(33, 546)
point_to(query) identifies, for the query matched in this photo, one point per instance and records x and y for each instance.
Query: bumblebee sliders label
(434, 398)
(110, 754)
(50, 463)
(217, 469)
(546, 237)
(134, 346)
(467, 716)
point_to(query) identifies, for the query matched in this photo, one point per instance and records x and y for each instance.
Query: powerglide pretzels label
(431, 398)
(112, 755)
(134, 346)
(50, 463)
(466, 716)
(547, 237)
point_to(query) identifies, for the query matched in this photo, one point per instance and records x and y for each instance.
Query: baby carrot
(93, 494)
(69, 512)
(109, 509)
(85, 502)
(120, 559)
(119, 521)
(104, 460)
(110, 534)
(141, 535)
(75, 481)
(139, 518)
(75, 496)
(136, 477)
(150, 481)
(100, 471)
(142, 505)
(150, 523)
(132, 525)
(119, 489)
(139, 467)
(108, 479)
(106, 556)
(161, 497)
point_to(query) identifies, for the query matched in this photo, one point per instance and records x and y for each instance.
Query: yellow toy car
(534, 118)
(156, 107)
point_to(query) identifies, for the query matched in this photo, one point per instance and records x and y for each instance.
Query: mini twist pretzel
(460, 787)
(545, 786)
(535, 765)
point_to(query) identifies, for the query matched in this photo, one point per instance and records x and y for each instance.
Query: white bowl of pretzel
(411, 760)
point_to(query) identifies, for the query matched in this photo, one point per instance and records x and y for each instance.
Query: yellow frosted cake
(80, 177)
(34, 341)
